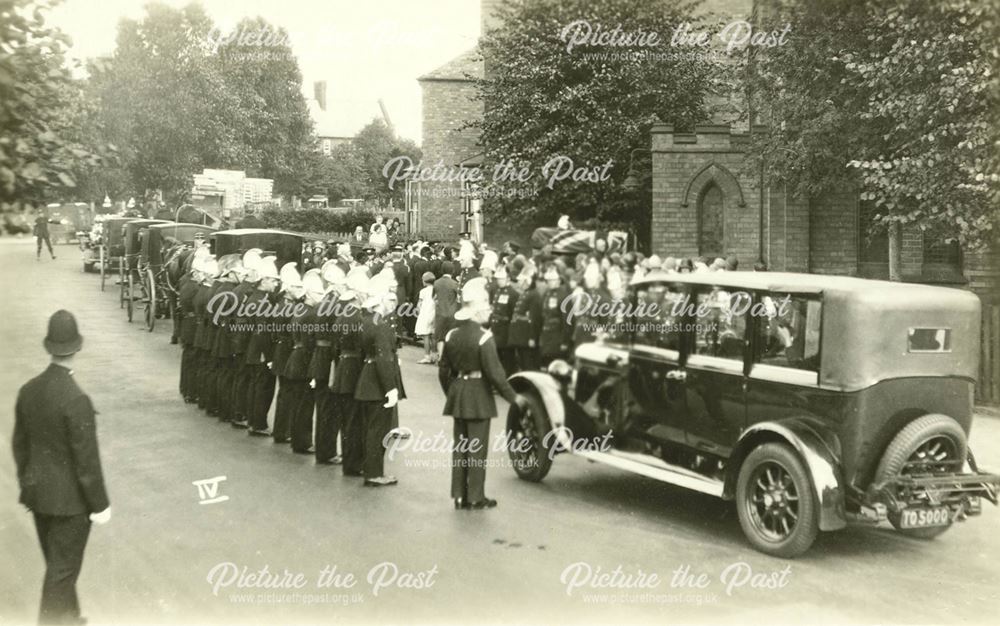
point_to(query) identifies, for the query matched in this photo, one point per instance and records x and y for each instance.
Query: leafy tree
(37, 152)
(375, 145)
(543, 101)
(339, 175)
(903, 97)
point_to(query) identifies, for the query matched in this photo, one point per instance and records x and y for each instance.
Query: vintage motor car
(811, 401)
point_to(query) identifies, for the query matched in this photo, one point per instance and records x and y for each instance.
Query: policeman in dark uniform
(503, 299)
(380, 384)
(292, 293)
(526, 326)
(557, 333)
(260, 347)
(347, 368)
(469, 371)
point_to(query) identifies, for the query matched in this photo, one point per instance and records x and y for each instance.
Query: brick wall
(833, 232)
(684, 165)
(447, 105)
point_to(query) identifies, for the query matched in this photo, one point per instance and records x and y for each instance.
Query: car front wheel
(526, 443)
(775, 501)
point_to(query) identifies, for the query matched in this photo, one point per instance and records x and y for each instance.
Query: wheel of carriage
(526, 443)
(775, 501)
(930, 445)
(150, 299)
(100, 256)
(130, 299)
(122, 283)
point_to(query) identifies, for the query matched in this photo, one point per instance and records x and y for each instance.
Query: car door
(714, 375)
(656, 363)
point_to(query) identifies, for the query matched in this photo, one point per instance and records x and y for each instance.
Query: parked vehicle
(108, 238)
(284, 245)
(162, 250)
(811, 401)
(133, 289)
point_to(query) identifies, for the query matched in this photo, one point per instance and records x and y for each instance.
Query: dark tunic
(185, 302)
(260, 344)
(469, 370)
(380, 373)
(504, 302)
(303, 342)
(347, 349)
(556, 331)
(526, 322)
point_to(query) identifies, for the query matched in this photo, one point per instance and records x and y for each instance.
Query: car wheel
(932, 444)
(775, 501)
(526, 440)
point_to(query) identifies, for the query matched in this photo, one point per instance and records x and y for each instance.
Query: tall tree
(37, 152)
(903, 97)
(591, 102)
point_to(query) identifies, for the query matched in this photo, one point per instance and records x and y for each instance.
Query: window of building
(710, 222)
(788, 331)
(942, 261)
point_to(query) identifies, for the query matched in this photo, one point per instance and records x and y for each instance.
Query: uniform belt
(470, 375)
(298, 344)
(323, 343)
(369, 360)
(349, 355)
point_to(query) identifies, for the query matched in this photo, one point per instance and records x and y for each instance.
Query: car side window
(659, 323)
(720, 322)
(788, 331)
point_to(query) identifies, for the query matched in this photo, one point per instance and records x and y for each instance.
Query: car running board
(657, 469)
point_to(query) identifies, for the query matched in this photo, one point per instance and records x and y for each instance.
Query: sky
(363, 49)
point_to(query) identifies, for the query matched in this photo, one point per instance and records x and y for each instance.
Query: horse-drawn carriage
(163, 249)
(284, 245)
(132, 289)
(105, 248)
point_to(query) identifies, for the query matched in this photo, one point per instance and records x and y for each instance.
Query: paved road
(152, 563)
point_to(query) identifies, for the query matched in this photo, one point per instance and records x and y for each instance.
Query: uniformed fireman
(230, 271)
(186, 313)
(469, 371)
(292, 294)
(296, 373)
(526, 325)
(380, 384)
(240, 394)
(347, 368)
(327, 419)
(205, 379)
(503, 298)
(260, 347)
(557, 333)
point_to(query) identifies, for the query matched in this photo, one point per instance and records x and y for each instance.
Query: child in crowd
(424, 327)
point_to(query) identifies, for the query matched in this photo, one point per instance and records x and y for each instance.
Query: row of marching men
(249, 328)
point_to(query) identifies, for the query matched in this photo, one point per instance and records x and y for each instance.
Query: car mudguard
(818, 448)
(549, 392)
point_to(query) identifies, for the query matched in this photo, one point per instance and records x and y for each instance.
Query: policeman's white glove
(270, 365)
(391, 398)
(531, 343)
(101, 518)
(521, 401)
(312, 383)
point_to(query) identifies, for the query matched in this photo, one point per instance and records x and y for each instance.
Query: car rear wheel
(526, 440)
(930, 445)
(775, 501)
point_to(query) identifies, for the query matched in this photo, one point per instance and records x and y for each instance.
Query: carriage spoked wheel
(104, 273)
(150, 299)
(130, 300)
(121, 283)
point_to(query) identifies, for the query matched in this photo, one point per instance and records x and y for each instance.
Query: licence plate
(923, 518)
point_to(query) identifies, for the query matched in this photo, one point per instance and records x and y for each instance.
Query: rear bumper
(962, 493)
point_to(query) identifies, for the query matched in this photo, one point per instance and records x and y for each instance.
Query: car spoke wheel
(932, 445)
(527, 430)
(776, 502)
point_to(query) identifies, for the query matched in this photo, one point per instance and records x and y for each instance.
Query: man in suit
(42, 234)
(469, 371)
(445, 303)
(59, 468)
